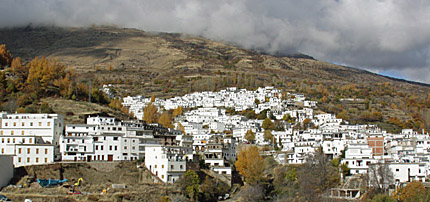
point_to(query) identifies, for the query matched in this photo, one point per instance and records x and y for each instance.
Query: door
(110, 157)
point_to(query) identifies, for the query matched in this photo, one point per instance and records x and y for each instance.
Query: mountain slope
(174, 64)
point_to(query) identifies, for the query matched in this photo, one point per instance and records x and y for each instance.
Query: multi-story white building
(104, 139)
(47, 126)
(358, 157)
(168, 163)
(31, 138)
(220, 153)
(408, 172)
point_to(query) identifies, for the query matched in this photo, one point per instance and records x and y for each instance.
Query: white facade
(358, 157)
(31, 138)
(220, 153)
(104, 139)
(166, 162)
(47, 126)
(407, 172)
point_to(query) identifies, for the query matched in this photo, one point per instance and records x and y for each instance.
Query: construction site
(95, 181)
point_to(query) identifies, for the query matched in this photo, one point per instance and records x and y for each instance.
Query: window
(37, 160)
(19, 150)
(101, 147)
(115, 138)
(162, 166)
(31, 123)
(2, 150)
(37, 150)
(8, 140)
(181, 166)
(49, 123)
(13, 140)
(28, 150)
(110, 148)
(155, 166)
(28, 160)
(40, 123)
(23, 140)
(162, 176)
(1, 132)
(171, 166)
(11, 132)
(2, 140)
(46, 160)
(397, 170)
(97, 147)
(116, 148)
(22, 132)
(5, 124)
(46, 151)
(125, 147)
(14, 123)
(22, 124)
(19, 159)
(31, 140)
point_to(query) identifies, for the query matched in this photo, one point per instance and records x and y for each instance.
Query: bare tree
(380, 177)
(316, 176)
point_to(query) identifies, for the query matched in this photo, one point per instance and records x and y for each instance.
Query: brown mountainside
(139, 62)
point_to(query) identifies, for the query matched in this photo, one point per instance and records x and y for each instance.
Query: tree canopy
(250, 136)
(150, 113)
(267, 124)
(250, 164)
(166, 120)
(5, 56)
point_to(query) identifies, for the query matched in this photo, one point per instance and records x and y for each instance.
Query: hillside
(96, 177)
(139, 62)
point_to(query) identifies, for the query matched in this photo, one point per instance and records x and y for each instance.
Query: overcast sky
(391, 37)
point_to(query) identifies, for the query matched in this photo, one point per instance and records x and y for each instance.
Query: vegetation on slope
(24, 88)
(167, 65)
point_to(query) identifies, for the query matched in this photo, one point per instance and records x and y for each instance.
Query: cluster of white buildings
(165, 151)
(361, 146)
(213, 135)
(238, 99)
(32, 139)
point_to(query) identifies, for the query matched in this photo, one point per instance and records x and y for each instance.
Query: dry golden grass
(77, 111)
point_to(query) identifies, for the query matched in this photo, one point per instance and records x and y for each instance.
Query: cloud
(379, 35)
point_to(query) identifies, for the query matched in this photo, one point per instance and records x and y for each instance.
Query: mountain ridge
(173, 64)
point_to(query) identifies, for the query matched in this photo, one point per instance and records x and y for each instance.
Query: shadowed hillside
(167, 65)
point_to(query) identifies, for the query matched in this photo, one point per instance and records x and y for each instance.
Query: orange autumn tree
(47, 76)
(166, 120)
(5, 56)
(411, 190)
(250, 136)
(150, 113)
(250, 164)
(177, 111)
